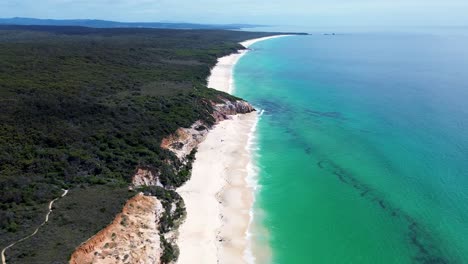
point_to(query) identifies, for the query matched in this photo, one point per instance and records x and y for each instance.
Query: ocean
(362, 147)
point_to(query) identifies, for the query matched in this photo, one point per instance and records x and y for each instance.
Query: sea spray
(252, 183)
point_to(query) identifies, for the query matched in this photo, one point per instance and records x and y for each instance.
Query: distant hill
(94, 23)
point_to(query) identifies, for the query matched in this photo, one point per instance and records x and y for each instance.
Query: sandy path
(51, 203)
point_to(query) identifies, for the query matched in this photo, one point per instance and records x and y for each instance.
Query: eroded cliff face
(145, 177)
(223, 111)
(132, 237)
(184, 140)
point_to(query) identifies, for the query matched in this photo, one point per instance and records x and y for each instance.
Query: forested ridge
(82, 108)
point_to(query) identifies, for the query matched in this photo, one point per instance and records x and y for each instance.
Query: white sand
(218, 197)
(221, 75)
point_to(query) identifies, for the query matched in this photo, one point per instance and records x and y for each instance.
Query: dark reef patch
(272, 108)
(334, 115)
(418, 237)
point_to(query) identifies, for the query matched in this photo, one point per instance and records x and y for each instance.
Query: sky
(272, 12)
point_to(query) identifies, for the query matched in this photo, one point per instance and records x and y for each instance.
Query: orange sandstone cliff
(132, 237)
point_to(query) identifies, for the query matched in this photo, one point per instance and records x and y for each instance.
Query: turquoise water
(362, 148)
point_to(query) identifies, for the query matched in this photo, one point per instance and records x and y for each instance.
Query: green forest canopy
(85, 107)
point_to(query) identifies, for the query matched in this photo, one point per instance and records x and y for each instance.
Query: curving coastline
(218, 197)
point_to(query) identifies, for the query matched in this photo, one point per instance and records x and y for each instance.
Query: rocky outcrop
(224, 110)
(145, 176)
(132, 237)
(184, 140)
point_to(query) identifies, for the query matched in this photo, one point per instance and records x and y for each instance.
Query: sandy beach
(221, 75)
(218, 196)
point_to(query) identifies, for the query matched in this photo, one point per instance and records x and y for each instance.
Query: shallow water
(362, 148)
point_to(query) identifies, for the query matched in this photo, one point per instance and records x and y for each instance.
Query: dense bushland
(84, 107)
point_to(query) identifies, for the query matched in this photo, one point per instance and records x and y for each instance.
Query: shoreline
(221, 77)
(220, 194)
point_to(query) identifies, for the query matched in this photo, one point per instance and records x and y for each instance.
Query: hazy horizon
(334, 13)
